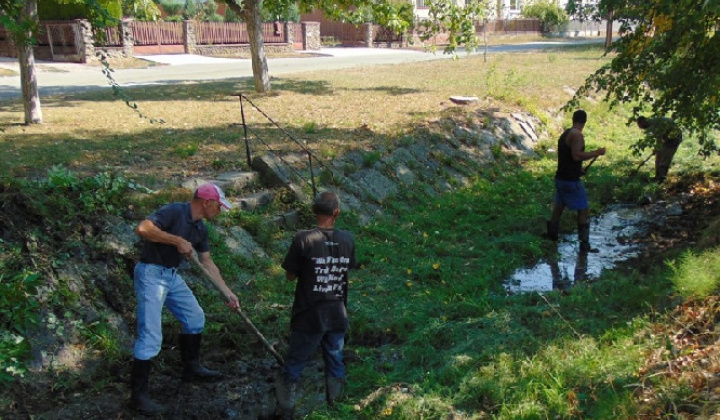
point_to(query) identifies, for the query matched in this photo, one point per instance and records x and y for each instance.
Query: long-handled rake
(239, 311)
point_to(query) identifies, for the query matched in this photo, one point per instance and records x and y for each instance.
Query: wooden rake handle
(590, 164)
(239, 311)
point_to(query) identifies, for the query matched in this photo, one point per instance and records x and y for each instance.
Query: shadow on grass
(166, 154)
(390, 90)
(64, 96)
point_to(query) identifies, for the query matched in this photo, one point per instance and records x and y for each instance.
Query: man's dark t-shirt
(176, 219)
(321, 259)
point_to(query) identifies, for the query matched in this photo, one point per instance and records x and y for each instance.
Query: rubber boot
(333, 389)
(584, 237)
(286, 394)
(140, 399)
(553, 230)
(193, 371)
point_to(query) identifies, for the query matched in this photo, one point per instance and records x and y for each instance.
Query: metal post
(312, 176)
(247, 143)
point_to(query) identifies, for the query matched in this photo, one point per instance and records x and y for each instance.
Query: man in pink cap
(171, 234)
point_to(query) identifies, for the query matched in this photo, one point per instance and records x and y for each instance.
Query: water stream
(611, 232)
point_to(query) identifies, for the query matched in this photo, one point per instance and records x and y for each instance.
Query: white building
(504, 9)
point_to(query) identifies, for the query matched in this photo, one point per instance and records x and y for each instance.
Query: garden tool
(635, 172)
(239, 311)
(590, 164)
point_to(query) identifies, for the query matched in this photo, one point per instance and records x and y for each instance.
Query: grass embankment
(434, 333)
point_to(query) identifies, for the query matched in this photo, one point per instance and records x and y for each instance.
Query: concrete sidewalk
(181, 59)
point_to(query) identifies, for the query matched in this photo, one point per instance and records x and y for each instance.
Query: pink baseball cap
(212, 192)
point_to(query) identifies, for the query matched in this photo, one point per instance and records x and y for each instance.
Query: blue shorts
(571, 194)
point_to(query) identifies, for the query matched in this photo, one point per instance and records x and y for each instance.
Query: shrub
(549, 13)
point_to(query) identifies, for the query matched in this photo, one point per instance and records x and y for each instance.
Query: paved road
(62, 78)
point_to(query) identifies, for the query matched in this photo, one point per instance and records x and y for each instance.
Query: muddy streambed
(612, 233)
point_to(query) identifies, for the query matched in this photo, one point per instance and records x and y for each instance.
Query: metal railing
(302, 144)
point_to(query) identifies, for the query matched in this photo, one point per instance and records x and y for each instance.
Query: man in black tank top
(569, 188)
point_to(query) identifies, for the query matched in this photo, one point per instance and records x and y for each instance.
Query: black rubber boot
(333, 389)
(286, 394)
(553, 230)
(140, 400)
(193, 371)
(584, 237)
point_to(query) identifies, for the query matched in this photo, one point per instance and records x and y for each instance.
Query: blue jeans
(155, 287)
(304, 344)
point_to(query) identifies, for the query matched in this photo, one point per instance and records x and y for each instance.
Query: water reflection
(611, 233)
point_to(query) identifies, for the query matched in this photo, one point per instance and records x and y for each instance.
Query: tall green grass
(696, 274)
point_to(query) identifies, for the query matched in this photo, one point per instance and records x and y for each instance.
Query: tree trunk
(251, 16)
(609, 30)
(28, 75)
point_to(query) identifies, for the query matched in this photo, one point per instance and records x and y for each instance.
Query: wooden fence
(510, 26)
(349, 34)
(213, 33)
(157, 33)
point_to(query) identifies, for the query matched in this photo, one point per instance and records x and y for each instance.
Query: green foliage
(100, 12)
(14, 350)
(172, 8)
(197, 10)
(231, 16)
(549, 13)
(396, 15)
(103, 337)
(145, 10)
(102, 192)
(583, 11)
(457, 21)
(18, 306)
(310, 127)
(187, 150)
(371, 158)
(282, 11)
(664, 64)
(696, 275)
(105, 11)
(18, 314)
(20, 26)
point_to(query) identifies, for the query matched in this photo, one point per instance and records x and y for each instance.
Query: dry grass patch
(8, 72)
(126, 63)
(361, 108)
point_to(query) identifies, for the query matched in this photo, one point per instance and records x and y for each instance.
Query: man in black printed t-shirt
(319, 259)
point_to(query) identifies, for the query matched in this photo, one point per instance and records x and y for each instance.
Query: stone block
(238, 180)
(255, 201)
(272, 170)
